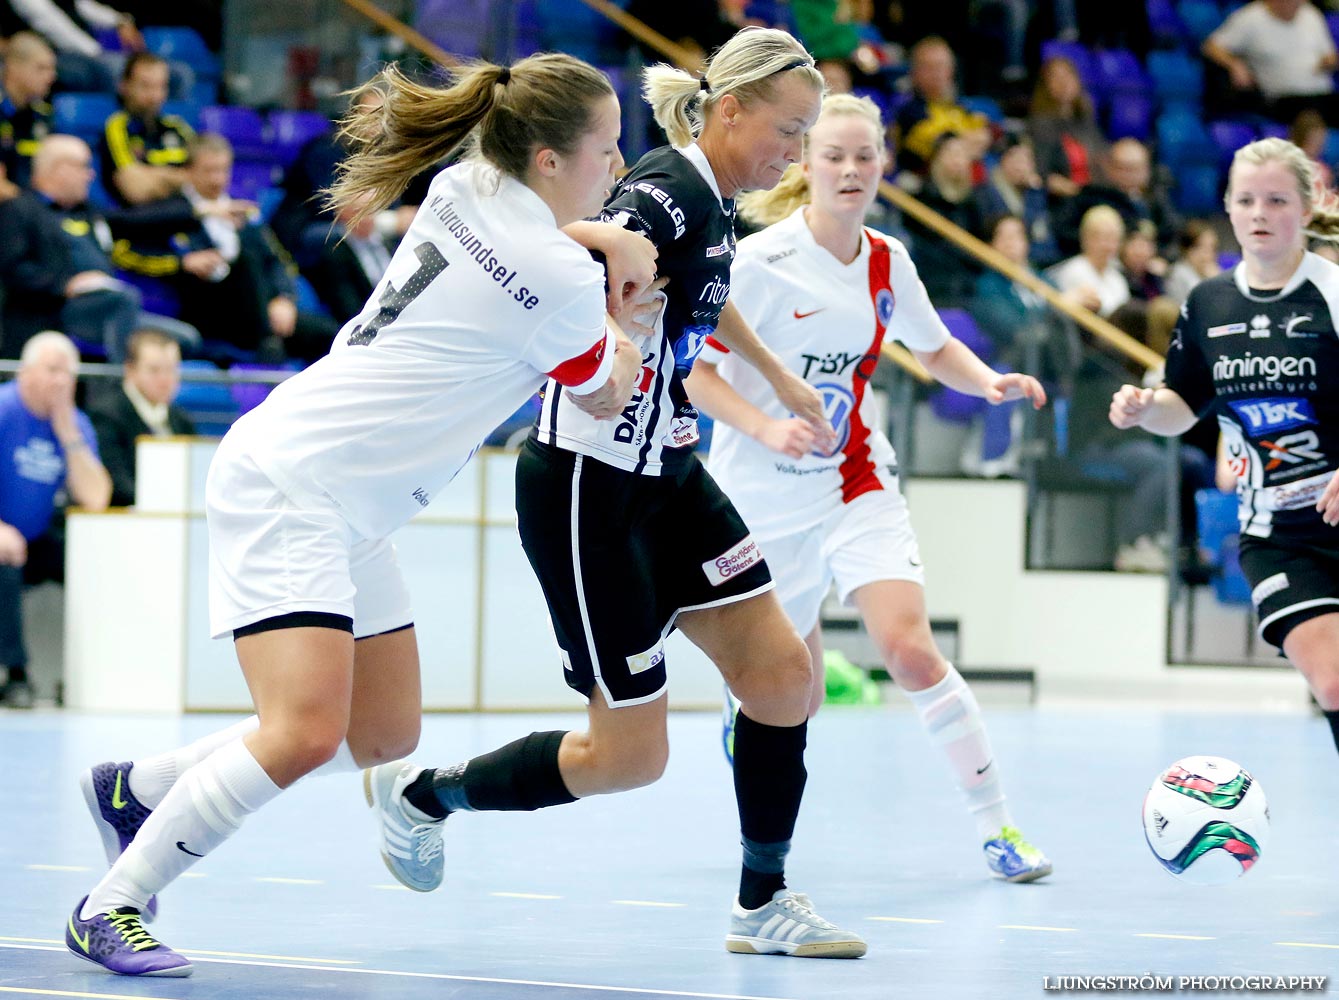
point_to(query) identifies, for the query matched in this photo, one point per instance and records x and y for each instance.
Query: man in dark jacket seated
(141, 407)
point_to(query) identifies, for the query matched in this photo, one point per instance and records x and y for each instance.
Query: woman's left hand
(1328, 504)
(1016, 386)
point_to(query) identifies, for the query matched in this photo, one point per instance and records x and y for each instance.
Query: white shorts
(270, 555)
(867, 540)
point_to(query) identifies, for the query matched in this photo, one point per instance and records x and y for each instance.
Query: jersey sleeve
(914, 321)
(1233, 34)
(646, 206)
(1187, 372)
(575, 347)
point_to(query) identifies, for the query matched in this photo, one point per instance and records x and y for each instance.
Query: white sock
(200, 812)
(951, 716)
(151, 777)
(341, 763)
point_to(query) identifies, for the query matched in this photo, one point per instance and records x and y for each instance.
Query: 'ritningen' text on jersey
(671, 197)
(1267, 363)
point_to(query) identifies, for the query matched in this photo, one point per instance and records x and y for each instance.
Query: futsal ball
(1206, 820)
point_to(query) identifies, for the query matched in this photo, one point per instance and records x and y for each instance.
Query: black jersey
(21, 132)
(671, 197)
(1267, 364)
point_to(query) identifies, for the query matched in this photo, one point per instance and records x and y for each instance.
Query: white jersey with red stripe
(827, 321)
(484, 298)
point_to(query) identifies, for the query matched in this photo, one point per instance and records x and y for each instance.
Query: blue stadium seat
(987, 106)
(1219, 543)
(571, 26)
(82, 114)
(307, 299)
(1079, 55)
(1201, 18)
(464, 27)
(188, 110)
(1199, 188)
(268, 199)
(156, 294)
(1129, 116)
(184, 45)
(1182, 139)
(1273, 130)
(210, 404)
(243, 127)
(1164, 25)
(1229, 137)
(1332, 19)
(1177, 76)
(1120, 71)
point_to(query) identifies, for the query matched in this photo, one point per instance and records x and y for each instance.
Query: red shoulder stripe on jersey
(858, 472)
(579, 370)
(715, 344)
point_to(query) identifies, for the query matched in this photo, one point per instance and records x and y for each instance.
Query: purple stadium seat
(1120, 71)
(1332, 19)
(463, 27)
(289, 131)
(243, 127)
(1129, 116)
(1273, 130)
(249, 395)
(1165, 26)
(948, 404)
(1079, 55)
(250, 178)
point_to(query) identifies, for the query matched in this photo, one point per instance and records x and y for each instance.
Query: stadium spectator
(46, 446)
(1064, 130)
(1280, 59)
(1096, 268)
(25, 115)
(141, 407)
(947, 273)
(1310, 134)
(1014, 187)
(142, 150)
(353, 260)
(934, 110)
(1198, 243)
(72, 27)
(1131, 190)
(1144, 269)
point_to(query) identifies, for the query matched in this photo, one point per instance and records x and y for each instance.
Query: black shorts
(619, 555)
(1291, 582)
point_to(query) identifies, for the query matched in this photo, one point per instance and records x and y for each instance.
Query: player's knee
(622, 771)
(911, 659)
(393, 745)
(1326, 690)
(308, 747)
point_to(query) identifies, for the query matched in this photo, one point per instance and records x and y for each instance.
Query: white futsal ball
(1206, 820)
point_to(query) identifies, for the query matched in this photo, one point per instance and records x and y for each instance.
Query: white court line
(57, 868)
(33, 991)
(288, 881)
(193, 951)
(1178, 937)
(396, 886)
(646, 902)
(524, 895)
(905, 920)
(1305, 944)
(441, 976)
(1034, 927)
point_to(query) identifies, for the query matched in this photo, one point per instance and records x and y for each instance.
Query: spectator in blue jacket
(47, 447)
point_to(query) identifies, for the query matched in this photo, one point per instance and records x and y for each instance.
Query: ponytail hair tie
(504, 75)
(704, 86)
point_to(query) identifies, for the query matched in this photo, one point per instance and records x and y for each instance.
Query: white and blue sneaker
(411, 843)
(788, 925)
(1012, 858)
(728, 713)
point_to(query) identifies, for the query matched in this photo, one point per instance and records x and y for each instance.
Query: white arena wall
(136, 624)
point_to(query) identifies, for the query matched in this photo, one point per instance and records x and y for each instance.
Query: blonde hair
(55, 149)
(744, 66)
(762, 208)
(1323, 206)
(1096, 216)
(543, 102)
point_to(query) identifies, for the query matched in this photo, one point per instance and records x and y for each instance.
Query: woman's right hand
(1128, 406)
(630, 261)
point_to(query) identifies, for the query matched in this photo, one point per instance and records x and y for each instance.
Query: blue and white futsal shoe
(1012, 858)
(788, 925)
(411, 845)
(728, 713)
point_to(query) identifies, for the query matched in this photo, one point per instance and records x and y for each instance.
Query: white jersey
(484, 297)
(826, 321)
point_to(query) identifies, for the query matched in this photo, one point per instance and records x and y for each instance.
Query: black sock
(522, 776)
(1333, 718)
(769, 784)
(18, 674)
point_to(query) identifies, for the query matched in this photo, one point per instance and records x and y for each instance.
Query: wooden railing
(1107, 333)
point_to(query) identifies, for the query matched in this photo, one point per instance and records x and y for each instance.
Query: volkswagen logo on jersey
(883, 306)
(837, 406)
(1276, 414)
(690, 344)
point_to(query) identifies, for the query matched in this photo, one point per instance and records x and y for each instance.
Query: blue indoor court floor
(627, 896)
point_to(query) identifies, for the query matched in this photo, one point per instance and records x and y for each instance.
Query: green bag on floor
(847, 684)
